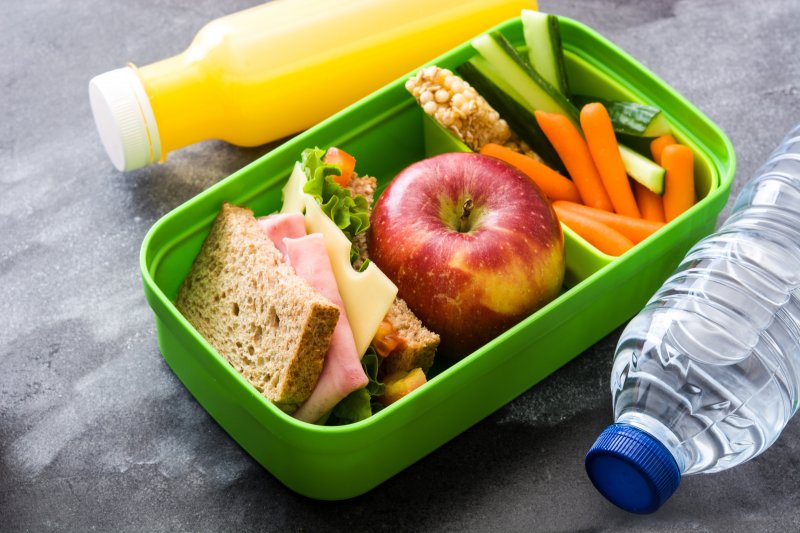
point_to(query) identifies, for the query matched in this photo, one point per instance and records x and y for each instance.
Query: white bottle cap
(124, 119)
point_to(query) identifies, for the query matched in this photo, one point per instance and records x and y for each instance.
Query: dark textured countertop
(96, 433)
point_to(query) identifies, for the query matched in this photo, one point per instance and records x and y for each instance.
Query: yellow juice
(278, 68)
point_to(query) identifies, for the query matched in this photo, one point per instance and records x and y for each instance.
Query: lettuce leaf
(372, 363)
(350, 214)
(353, 408)
(358, 405)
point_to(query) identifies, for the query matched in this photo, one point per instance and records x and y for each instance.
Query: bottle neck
(659, 431)
(184, 101)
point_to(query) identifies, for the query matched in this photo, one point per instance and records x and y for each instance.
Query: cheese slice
(294, 200)
(367, 295)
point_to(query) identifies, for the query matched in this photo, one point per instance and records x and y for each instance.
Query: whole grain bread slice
(267, 322)
(420, 342)
(365, 186)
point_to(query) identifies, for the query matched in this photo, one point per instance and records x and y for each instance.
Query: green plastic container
(386, 132)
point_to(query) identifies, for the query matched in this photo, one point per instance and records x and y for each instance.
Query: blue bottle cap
(632, 469)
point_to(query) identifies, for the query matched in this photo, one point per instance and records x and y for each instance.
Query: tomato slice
(345, 162)
(387, 339)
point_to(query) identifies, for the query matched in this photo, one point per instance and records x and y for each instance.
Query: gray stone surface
(96, 433)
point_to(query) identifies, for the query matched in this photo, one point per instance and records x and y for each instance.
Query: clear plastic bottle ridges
(707, 375)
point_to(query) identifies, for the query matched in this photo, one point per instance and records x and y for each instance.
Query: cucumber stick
(543, 39)
(502, 65)
(506, 101)
(637, 119)
(535, 92)
(631, 118)
(643, 169)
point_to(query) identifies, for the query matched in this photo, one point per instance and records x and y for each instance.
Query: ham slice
(342, 372)
(277, 227)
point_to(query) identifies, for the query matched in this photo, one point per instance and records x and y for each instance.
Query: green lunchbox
(386, 132)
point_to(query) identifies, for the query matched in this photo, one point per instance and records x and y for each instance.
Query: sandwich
(293, 303)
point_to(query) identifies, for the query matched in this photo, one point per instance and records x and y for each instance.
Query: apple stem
(466, 209)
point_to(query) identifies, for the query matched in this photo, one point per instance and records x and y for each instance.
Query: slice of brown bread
(365, 186)
(421, 343)
(266, 321)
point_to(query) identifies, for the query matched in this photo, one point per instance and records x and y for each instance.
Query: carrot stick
(553, 184)
(602, 143)
(572, 150)
(649, 201)
(678, 161)
(607, 240)
(658, 144)
(651, 206)
(635, 229)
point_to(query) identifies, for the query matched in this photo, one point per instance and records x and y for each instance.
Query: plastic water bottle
(708, 374)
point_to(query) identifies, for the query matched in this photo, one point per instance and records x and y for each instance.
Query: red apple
(471, 243)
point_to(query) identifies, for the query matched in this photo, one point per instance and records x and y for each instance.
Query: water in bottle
(707, 375)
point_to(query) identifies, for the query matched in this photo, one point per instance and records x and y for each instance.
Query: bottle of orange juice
(275, 69)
